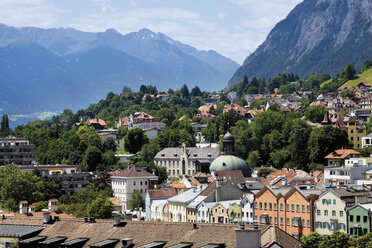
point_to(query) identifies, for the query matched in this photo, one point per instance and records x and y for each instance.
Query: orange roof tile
(342, 154)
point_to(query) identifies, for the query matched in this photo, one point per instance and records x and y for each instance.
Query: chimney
(31, 209)
(117, 220)
(248, 237)
(53, 205)
(126, 243)
(284, 181)
(46, 217)
(23, 207)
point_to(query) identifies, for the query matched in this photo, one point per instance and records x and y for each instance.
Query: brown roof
(133, 171)
(326, 119)
(342, 153)
(115, 201)
(231, 176)
(273, 234)
(209, 189)
(140, 231)
(178, 185)
(289, 173)
(162, 193)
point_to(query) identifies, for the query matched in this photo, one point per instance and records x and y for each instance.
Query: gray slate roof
(18, 231)
(194, 153)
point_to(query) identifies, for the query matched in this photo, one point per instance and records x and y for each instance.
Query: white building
(177, 205)
(343, 175)
(185, 160)
(157, 209)
(367, 140)
(203, 211)
(124, 182)
(248, 208)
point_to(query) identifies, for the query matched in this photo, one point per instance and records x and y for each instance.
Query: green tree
(367, 65)
(109, 145)
(101, 208)
(109, 159)
(211, 131)
(298, 143)
(134, 140)
(161, 172)
(312, 240)
(325, 140)
(263, 172)
(336, 240)
(254, 159)
(149, 151)
(196, 91)
(185, 91)
(315, 113)
(92, 158)
(137, 200)
(364, 241)
(348, 73)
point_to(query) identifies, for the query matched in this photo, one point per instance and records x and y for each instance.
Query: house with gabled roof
(156, 195)
(125, 182)
(289, 208)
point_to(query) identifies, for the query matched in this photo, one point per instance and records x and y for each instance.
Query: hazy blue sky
(233, 28)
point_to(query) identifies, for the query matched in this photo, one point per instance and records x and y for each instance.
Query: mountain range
(43, 71)
(317, 36)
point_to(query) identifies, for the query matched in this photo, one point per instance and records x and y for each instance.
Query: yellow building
(235, 212)
(219, 213)
(354, 129)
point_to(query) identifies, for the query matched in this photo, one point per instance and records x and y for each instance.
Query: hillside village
(200, 170)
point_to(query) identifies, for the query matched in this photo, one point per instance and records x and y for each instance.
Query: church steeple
(228, 144)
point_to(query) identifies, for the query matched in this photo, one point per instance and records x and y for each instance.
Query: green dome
(230, 163)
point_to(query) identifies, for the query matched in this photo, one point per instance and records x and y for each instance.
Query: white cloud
(41, 116)
(27, 13)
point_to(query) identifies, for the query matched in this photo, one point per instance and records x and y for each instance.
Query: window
(255, 205)
(351, 217)
(215, 210)
(145, 182)
(275, 206)
(298, 208)
(293, 222)
(141, 183)
(287, 221)
(308, 208)
(334, 201)
(281, 221)
(308, 223)
(281, 206)
(275, 221)
(303, 208)
(333, 212)
(265, 204)
(222, 210)
(303, 223)
(325, 212)
(318, 212)
(364, 218)
(341, 213)
(134, 183)
(271, 220)
(358, 218)
(260, 205)
(270, 206)
(292, 207)
(287, 207)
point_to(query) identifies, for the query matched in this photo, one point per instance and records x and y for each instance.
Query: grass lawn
(364, 77)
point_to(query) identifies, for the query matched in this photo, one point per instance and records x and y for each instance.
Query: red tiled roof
(342, 153)
(162, 193)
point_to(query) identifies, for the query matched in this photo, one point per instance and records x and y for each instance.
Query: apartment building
(16, 151)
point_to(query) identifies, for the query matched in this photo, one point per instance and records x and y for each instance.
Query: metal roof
(105, 243)
(153, 244)
(75, 242)
(213, 246)
(55, 240)
(33, 240)
(18, 231)
(181, 245)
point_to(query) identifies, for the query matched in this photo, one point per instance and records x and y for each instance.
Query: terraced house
(289, 208)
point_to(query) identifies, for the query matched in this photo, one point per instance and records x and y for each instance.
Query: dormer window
(175, 154)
